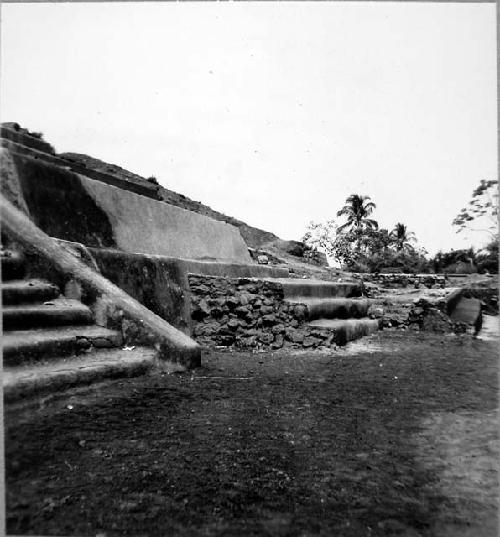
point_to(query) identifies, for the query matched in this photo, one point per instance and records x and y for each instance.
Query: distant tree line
(359, 245)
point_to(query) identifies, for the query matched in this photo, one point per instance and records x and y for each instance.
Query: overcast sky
(270, 112)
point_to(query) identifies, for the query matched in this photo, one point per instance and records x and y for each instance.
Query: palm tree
(402, 237)
(357, 210)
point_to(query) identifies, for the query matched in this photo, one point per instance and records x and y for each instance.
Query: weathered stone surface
(311, 341)
(242, 311)
(266, 338)
(300, 312)
(436, 321)
(232, 302)
(250, 341)
(102, 342)
(467, 311)
(256, 315)
(73, 207)
(269, 320)
(278, 342)
(233, 324)
(375, 312)
(297, 336)
(424, 315)
(245, 299)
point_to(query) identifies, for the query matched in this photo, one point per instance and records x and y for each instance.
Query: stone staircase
(335, 306)
(51, 342)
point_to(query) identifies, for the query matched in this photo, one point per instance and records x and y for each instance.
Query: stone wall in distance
(400, 279)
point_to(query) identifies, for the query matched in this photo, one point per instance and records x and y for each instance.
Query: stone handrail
(172, 344)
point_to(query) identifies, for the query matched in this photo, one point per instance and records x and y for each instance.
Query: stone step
(346, 330)
(318, 288)
(333, 308)
(12, 264)
(467, 310)
(55, 312)
(22, 291)
(64, 373)
(23, 346)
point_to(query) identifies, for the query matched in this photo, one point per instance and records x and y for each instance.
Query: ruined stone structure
(94, 260)
(276, 313)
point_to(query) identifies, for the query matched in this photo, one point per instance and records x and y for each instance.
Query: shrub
(487, 259)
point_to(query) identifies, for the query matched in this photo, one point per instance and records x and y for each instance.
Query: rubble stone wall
(393, 280)
(249, 313)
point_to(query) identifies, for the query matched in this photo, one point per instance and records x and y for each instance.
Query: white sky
(270, 112)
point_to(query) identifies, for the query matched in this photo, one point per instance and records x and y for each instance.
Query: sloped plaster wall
(76, 208)
(143, 225)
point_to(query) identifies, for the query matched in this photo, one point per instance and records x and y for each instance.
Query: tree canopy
(402, 237)
(357, 209)
(359, 245)
(482, 210)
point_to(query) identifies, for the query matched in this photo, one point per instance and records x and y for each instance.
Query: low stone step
(42, 379)
(333, 308)
(318, 288)
(22, 291)
(22, 346)
(51, 313)
(348, 329)
(12, 264)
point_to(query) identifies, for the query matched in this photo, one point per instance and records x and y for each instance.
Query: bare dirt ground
(395, 435)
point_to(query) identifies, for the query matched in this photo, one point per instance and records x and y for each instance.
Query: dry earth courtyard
(393, 435)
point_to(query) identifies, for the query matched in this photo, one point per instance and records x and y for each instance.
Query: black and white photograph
(249, 269)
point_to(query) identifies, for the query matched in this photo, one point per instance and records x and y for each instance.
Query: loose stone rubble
(418, 313)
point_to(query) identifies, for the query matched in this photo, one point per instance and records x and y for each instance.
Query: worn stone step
(346, 330)
(59, 375)
(12, 264)
(318, 288)
(22, 291)
(51, 313)
(333, 308)
(467, 310)
(23, 346)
